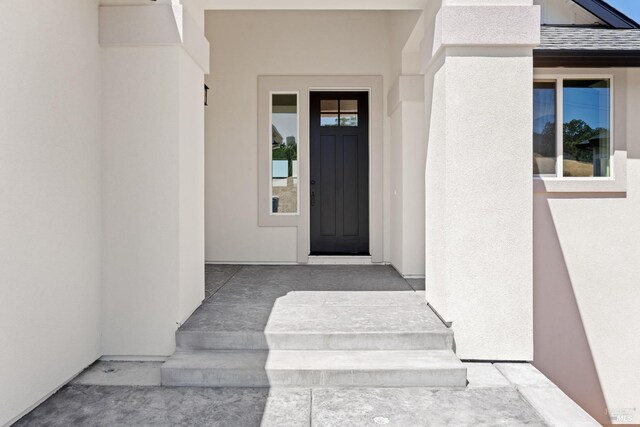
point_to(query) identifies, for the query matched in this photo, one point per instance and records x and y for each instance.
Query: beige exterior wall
(586, 275)
(50, 205)
(407, 151)
(152, 177)
(362, 43)
(245, 45)
(408, 157)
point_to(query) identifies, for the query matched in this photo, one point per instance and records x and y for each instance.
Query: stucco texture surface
(586, 273)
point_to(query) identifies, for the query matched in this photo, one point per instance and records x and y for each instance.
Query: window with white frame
(572, 119)
(284, 153)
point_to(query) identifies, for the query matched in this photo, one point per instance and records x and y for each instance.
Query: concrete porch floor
(129, 393)
(308, 278)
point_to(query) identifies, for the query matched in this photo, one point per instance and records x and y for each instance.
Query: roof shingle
(588, 38)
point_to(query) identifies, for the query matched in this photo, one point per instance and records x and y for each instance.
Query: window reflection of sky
(286, 123)
(588, 104)
(543, 108)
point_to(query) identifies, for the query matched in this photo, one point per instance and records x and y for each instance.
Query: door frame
(303, 85)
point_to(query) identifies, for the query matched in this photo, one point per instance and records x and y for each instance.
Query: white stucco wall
(408, 157)
(50, 197)
(435, 190)
(153, 197)
(397, 226)
(407, 149)
(478, 176)
(405, 32)
(153, 186)
(414, 160)
(243, 46)
(140, 200)
(587, 271)
(191, 186)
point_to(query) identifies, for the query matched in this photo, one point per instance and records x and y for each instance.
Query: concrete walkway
(129, 393)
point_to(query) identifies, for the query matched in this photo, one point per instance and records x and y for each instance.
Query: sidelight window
(284, 153)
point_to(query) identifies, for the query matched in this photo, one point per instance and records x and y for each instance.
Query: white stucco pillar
(478, 68)
(405, 105)
(153, 63)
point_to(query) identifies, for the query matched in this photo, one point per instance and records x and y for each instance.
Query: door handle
(313, 198)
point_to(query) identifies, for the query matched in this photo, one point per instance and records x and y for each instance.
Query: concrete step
(221, 340)
(221, 368)
(366, 368)
(319, 321)
(356, 326)
(296, 368)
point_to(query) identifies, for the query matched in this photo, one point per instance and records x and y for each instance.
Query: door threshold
(340, 260)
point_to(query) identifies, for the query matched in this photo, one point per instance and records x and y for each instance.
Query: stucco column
(405, 105)
(153, 63)
(478, 69)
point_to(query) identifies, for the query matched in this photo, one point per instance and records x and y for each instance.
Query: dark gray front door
(339, 173)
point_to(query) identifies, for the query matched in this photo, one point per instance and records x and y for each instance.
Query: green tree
(574, 132)
(287, 152)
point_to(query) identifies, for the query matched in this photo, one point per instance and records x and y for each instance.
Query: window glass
(586, 132)
(284, 153)
(348, 119)
(544, 128)
(348, 105)
(342, 112)
(348, 112)
(329, 119)
(329, 106)
(329, 112)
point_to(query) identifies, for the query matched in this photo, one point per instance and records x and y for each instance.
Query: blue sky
(631, 8)
(588, 104)
(286, 123)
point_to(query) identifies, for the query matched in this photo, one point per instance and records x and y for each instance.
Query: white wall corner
(411, 88)
(393, 97)
(157, 25)
(412, 51)
(431, 48)
(406, 88)
(194, 41)
(138, 26)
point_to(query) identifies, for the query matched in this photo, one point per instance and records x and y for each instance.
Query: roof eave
(583, 58)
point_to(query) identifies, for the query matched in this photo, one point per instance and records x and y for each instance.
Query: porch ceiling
(314, 4)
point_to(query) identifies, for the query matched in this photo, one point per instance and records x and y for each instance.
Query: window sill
(579, 185)
(615, 184)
